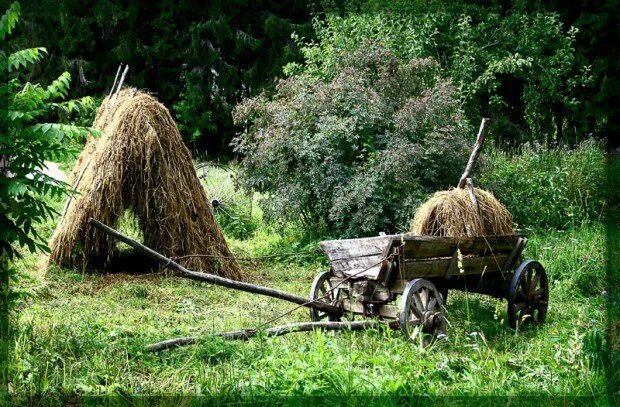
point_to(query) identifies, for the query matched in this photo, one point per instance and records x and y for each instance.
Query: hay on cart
(464, 210)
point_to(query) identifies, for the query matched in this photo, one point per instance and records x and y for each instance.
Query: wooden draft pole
(245, 334)
(217, 280)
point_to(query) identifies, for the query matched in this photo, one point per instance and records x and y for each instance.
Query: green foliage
(29, 138)
(517, 66)
(24, 58)
(235, 211)
(200, 58)
(549, 187)
(228, 56)
(518, 61)
(353, 153)
(9, 20)
(85, 334)
(596, 350)
(578, 267)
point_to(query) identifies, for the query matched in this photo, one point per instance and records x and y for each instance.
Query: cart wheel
(422, 312)
(528, 295)
(321, 288)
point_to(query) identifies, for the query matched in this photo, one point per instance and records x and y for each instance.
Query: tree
(515, 62)
(30, 135)
(199, 58)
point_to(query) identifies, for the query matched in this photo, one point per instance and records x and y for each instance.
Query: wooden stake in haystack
(139, 163)
(464, 210)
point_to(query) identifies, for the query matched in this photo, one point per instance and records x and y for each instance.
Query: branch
(217, 280)
(245, 334)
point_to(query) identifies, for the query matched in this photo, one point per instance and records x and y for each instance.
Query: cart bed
(422, 256)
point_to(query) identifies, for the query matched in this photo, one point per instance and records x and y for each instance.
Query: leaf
(9, 20)
(25, 57)
(17, 188)
(60, 87)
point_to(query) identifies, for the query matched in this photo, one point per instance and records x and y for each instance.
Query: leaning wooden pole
(213, 279)
(245, 334)
(475, 152)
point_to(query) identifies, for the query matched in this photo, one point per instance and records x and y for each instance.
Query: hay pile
(140, 163)
(452, 213)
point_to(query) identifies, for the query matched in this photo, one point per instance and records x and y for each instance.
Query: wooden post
(472, 194)
(475, 152)
(217, 280)
(118, 71)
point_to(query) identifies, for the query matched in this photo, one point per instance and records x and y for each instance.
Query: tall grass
(549, 187)
(84, 334)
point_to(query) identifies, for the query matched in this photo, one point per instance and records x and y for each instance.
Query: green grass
(85, 334)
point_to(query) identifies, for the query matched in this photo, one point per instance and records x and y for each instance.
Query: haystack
(465, 210)
(452, 213)
(139, 162)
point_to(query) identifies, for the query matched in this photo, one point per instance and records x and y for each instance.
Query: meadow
(85, 334)
(332, 120)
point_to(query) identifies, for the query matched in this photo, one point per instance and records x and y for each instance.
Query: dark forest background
(201, 58)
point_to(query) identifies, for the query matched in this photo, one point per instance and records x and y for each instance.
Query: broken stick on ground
(245, 334)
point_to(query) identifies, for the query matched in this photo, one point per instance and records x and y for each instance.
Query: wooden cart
(368, 276)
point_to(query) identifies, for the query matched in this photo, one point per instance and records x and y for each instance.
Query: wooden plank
(423, 247)
(439, 266)
(516, 253)
(372, 273)
(398, 286)
(356, 263)
(352, 248)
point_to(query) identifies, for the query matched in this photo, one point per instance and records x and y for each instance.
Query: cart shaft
(217, 280)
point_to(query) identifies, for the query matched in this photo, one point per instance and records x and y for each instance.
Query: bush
(549, 187)
(354, 153)
(517, 66)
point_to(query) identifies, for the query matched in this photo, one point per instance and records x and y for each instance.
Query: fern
(25, 57)
(9, 20)
(28, 141)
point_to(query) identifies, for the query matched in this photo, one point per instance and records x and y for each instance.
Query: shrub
(549, 187)
(356, 152)
(32, 133)
(517, 66)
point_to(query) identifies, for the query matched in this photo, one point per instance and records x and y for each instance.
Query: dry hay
(139, 163)
(452, 213)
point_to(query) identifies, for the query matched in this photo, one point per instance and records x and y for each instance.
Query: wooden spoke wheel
(528, 295)
(422, 312)
(323, 291)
